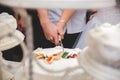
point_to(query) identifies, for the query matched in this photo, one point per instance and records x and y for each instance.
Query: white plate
(74, 4)
(9, 42)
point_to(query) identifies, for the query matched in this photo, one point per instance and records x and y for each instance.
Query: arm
(50, 30)
(64, 18)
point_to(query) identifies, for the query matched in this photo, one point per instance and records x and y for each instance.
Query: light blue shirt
(75, 24)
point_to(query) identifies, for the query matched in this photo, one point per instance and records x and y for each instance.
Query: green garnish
(65, 54)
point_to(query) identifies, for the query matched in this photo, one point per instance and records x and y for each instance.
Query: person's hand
(60, 29)
(51, 33)
(50, 30)
(63, 20)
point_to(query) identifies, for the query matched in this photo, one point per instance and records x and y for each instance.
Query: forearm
(65, 17)
(50, 30)
(43, 16)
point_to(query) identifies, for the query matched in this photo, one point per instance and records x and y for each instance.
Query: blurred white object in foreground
(9, 36)
(105, 40)
(69, 4)
(101, 58)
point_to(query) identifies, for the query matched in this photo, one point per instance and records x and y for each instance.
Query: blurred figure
(106, 15)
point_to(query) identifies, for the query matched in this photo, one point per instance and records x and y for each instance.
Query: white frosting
(105, 40)
(8, 25)
(10, 41)
(108, 34)
(59, 64)
(59, 68)
(9, 20)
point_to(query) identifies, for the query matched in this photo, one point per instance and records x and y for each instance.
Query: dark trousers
(69, 40)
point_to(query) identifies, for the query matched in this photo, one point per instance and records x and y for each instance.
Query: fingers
(51, 38)
(61, 34)
(55, 36)
(59, 37)
(54, 39)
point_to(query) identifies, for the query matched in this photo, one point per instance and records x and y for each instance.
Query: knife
(61, 45)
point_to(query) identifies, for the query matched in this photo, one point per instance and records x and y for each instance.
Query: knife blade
(61, 45)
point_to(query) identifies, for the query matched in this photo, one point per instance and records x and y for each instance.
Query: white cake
(8, 27)
(105, 40)
(60, 63)
(9, 20)
(101, 58)
(8, 24)
(58, 69)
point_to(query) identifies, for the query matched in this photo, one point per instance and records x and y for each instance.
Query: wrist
(62, 23)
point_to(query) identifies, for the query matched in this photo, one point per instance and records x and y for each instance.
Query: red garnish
(55, 54)
(49, 58)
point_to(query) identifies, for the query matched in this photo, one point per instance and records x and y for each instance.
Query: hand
(64, 18)
(51, 33)
(60, 29)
